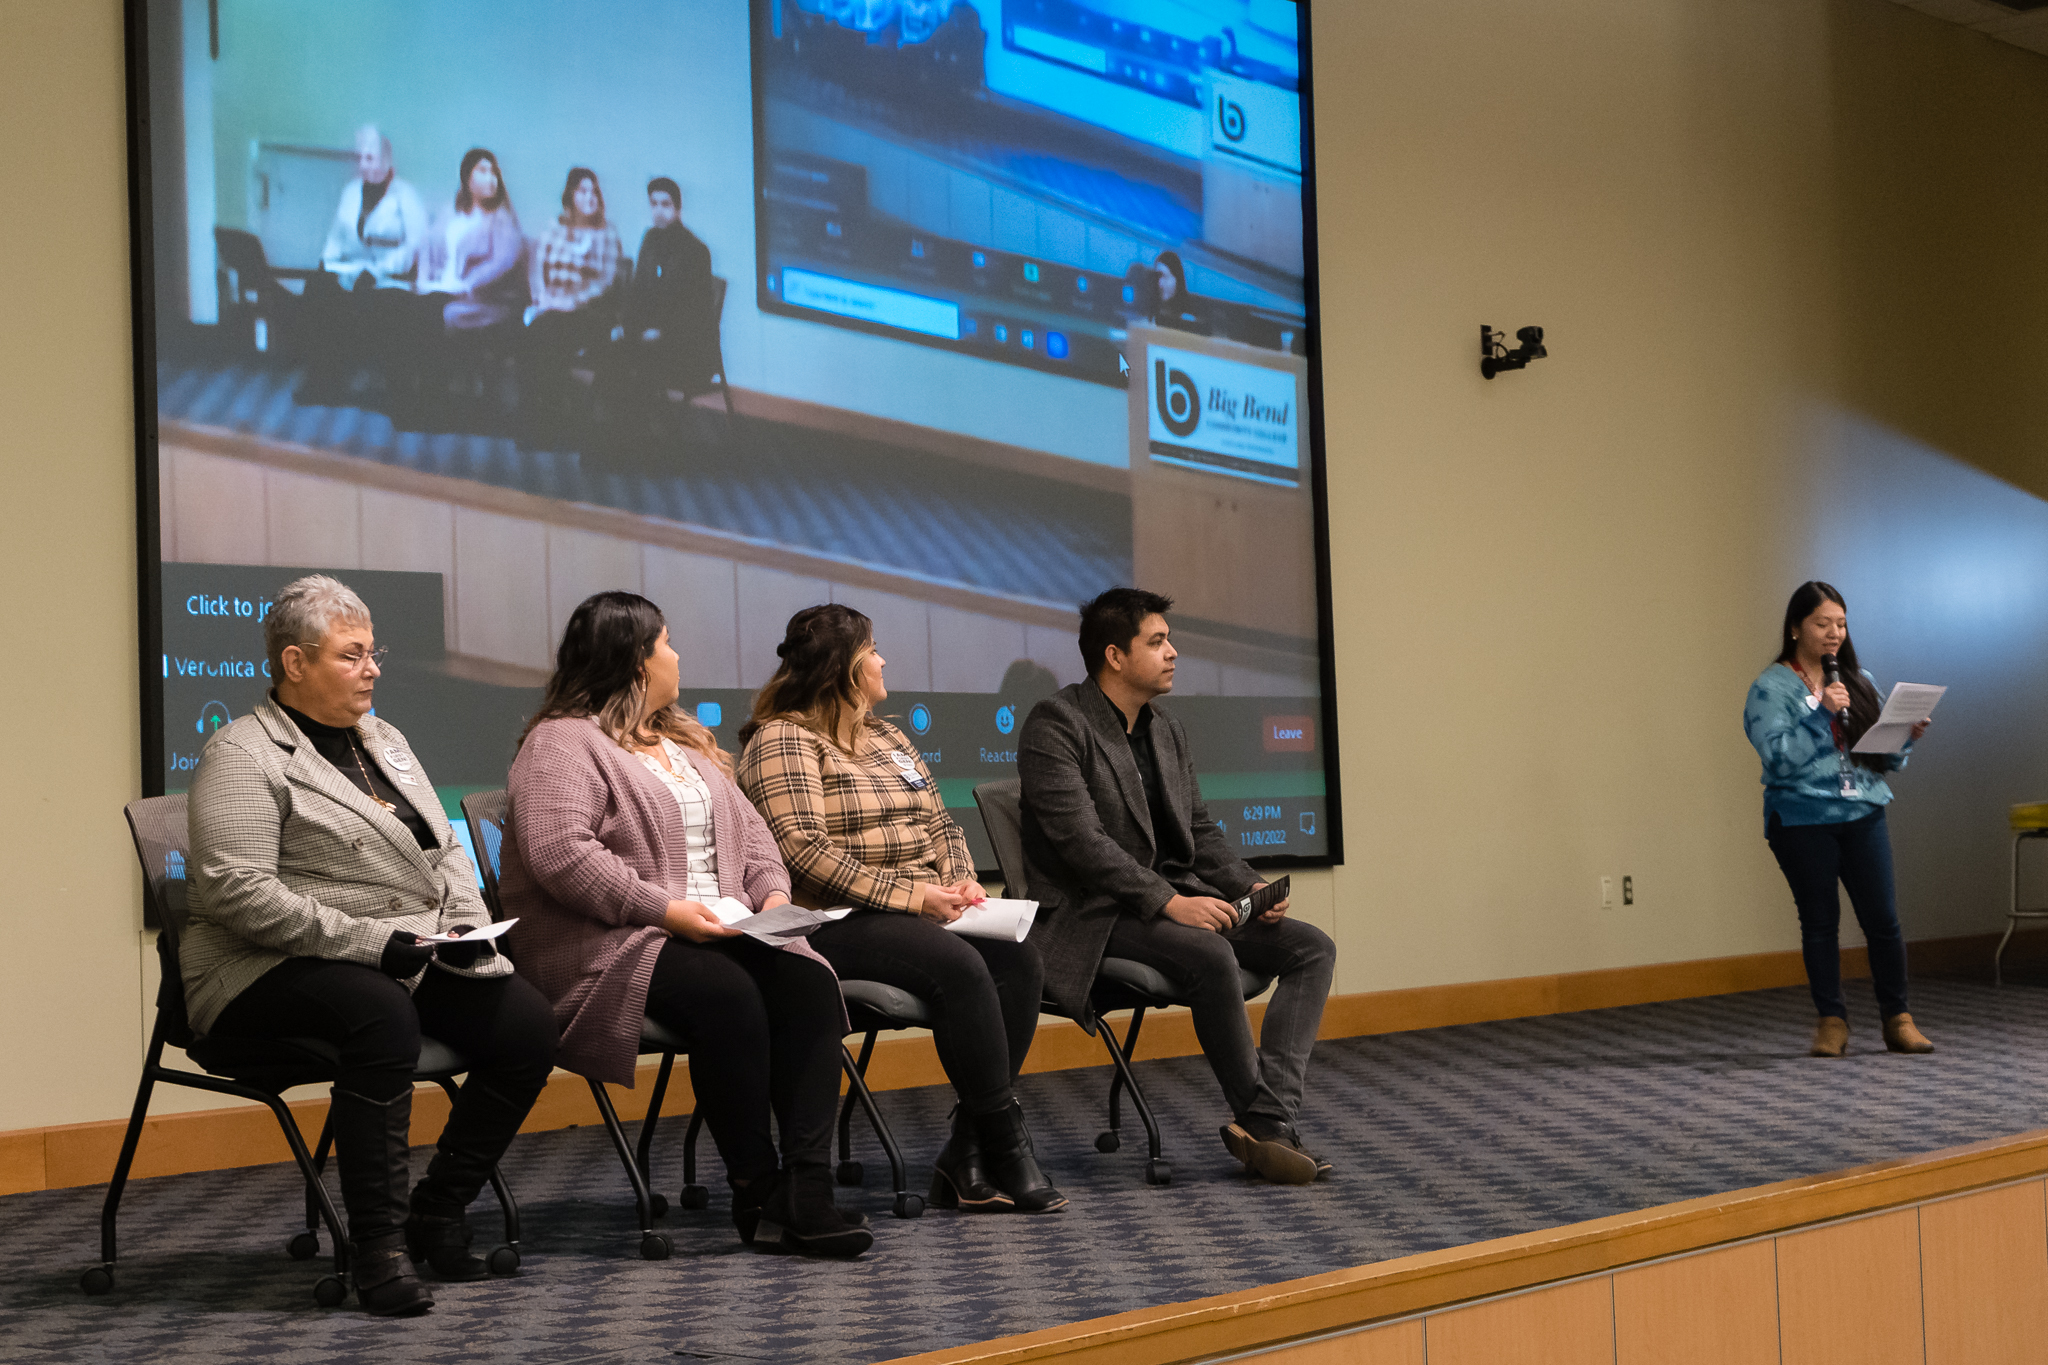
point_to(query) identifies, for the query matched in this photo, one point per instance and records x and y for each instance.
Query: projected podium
(1222, 517)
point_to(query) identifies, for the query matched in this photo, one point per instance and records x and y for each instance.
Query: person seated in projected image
(574, 268)
(320, 857)
(1158, 294)
(367, 265)
(1124, 860)
(668, 334)
(469, 283)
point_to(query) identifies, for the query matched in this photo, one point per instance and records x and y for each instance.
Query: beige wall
(1783, 251)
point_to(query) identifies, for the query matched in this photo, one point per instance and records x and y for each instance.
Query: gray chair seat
(1150, 981)
(436, 1057)
(899, 1007)
(655, 1038)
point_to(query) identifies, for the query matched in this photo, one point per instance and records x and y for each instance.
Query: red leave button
(1289, 734)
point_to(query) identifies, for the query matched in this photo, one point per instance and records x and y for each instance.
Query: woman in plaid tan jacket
(860, 822)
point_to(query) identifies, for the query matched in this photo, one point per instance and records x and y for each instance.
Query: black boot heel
(943, 1196)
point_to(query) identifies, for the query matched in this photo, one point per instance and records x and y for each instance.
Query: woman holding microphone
(1824, 810)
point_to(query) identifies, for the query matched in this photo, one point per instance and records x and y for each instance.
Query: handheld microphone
(1831, 672)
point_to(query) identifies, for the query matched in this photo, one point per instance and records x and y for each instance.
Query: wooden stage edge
(68, 1155)
(1298, 1311)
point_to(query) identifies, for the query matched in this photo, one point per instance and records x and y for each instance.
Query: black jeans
(1859, 855)
(1265, 1081)
(500, 1023)
(983, 993)
(763, 1032)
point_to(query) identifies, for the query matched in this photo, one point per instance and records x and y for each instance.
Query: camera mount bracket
(1494, 355)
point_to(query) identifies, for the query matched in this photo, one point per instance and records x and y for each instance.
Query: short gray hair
(302, 613)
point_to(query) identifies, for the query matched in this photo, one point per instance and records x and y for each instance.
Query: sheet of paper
(1907, 706)
(994, 918)
(473, 935)
(786, 922)
(728, 910)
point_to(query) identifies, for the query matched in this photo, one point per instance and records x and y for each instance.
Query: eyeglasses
(353, 663)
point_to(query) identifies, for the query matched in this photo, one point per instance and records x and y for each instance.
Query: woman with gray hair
(320, 857)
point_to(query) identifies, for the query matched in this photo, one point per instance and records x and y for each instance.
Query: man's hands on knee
(1277, 913)
(1200, 912)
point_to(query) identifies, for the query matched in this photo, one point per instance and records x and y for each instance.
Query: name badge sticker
(906, 767)
(407, 782)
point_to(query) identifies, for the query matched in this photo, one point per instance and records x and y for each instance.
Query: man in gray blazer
(1124, 861)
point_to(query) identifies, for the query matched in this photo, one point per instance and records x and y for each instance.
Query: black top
(671, 286)
(344, 749)
(1140, 736)
(373, 195)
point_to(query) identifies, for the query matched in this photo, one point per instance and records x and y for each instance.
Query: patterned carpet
(1441, 1138)
(1010, 533)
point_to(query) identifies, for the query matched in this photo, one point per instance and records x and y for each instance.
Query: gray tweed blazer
(291, 859)
(1089, 845)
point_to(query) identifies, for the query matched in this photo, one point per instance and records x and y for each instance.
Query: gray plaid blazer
(291, 859)
(1090, 852)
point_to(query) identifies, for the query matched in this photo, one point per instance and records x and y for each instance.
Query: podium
(1222, 515)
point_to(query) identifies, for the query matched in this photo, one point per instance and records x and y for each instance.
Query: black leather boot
(798, 1216)
(480, 1127)
(1006, 1148)
(959, 1176)
(747, 1200)
(372, 1156)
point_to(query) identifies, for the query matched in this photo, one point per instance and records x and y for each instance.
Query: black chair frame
(485, 813)
(1120, 984)
(249, 1071)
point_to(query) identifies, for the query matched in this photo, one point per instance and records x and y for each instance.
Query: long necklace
(355, 747)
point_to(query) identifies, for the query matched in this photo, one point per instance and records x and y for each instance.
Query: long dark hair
(1863, 704)
(597, 673)
(814, 685)
(464, 199)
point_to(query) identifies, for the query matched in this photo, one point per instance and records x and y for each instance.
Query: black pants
(763, 1032)
(1263, 1081)
(1859, 855)
(501, 1024)
(983, 993)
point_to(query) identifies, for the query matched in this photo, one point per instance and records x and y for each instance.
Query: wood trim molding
(216, 1139)
(1274, 1314)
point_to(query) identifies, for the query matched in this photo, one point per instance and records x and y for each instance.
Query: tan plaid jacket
(290, 859)
(853, 829)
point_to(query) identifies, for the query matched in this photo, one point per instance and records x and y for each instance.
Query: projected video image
(1024, 179)
(955, 311)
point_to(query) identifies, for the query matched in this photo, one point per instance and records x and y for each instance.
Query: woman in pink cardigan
(625, 827)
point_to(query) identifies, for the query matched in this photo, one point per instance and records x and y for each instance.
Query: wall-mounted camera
(1494, 355)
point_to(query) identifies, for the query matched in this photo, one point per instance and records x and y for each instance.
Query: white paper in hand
(1907, 706)
(728, 910)
(472, 935)
(1004, 919)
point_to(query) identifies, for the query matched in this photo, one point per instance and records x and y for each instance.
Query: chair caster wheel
(1158, 1172)
(655, 1247)
(852, 1173)
(695, 1197)
(96, 1281)
(657, 1203)
(504, 1260)
(303, 1247)
(329, 1292)
(1108, 1142)
(909, 1205)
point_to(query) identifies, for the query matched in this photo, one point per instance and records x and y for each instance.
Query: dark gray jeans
(1265, 1080)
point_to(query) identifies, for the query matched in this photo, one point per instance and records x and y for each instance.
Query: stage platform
(1442, 1139)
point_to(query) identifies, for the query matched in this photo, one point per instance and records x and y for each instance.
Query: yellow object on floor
(2029, 815)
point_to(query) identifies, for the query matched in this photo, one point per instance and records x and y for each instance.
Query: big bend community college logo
(1223, 416)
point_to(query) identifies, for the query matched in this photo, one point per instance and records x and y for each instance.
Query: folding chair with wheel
(250, 1070)
(1120, 983)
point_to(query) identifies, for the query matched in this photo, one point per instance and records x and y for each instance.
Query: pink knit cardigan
(594, 852)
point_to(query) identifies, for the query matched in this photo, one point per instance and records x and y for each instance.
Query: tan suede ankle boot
(1830, 1037)
(1900, 1035)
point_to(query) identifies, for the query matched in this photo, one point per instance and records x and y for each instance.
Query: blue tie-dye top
(1802, 770)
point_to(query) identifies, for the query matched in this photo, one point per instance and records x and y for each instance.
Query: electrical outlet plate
(1628, 890)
